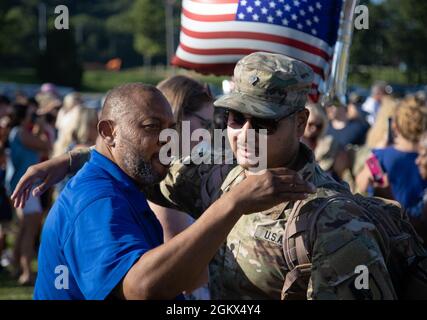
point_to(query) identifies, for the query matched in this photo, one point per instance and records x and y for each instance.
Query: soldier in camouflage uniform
(251, 264)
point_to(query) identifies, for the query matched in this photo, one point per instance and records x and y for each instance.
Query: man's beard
(139, 169)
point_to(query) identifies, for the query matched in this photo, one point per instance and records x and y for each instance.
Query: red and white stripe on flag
(213, 39)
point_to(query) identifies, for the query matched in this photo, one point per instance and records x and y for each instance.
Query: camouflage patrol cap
(269, 86)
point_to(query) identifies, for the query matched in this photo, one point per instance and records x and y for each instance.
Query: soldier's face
(281, 146)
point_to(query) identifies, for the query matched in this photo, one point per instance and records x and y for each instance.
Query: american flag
(215, 34)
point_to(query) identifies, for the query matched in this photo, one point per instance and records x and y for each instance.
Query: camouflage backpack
(403, 250)
(404, 254)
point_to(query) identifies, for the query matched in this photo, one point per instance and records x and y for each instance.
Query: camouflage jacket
(250, 264)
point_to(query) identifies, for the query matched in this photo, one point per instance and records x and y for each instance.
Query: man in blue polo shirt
(101, 240)
(95, 244)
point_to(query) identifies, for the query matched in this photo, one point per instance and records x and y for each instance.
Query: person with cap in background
(270, 93)
(354, 107)
(343, 129)
(316, 126)
(327, 151)
(373, 103)
(49, 89)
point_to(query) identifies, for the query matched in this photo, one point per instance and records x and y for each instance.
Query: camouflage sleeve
(347, 260)
(193, 188)
(79, 157)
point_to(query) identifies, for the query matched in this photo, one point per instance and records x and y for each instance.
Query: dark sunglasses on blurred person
(206, 123)
(237, 120)
(318, 126)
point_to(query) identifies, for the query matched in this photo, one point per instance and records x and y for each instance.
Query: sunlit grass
(10, 289)
(103, 80)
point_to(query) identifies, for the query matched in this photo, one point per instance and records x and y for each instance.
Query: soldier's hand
(259, 192)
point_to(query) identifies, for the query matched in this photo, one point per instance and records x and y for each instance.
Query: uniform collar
(308, 172)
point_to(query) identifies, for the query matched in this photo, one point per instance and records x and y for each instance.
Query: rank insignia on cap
(253, 80)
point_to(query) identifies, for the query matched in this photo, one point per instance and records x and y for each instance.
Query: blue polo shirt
(99, 226)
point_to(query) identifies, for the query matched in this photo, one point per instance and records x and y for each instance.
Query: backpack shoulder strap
(297, 246)
(233, 177)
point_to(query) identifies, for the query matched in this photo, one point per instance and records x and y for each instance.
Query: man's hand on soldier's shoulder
(264, 190)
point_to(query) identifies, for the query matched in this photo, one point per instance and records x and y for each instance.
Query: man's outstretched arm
(44, 175)
(164, 272)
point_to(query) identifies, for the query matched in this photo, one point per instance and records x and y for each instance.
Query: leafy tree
(408, 36)
(368, 46)
(397, 36)
(17, 32)
(148, 21)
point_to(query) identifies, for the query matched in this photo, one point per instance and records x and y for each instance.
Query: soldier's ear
(106, 129)
(301, 121)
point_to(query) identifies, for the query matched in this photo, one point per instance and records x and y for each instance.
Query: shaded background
(394, 48)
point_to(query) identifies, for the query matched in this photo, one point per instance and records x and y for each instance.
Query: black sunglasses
(238, 120)
(319, 126)
(206, 123)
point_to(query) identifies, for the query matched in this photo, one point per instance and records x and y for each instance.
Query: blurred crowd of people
(376, 145)
(33, 129)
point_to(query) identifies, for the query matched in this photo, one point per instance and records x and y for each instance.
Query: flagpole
(336, 85)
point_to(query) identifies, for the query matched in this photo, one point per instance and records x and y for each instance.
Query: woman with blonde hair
(397, 162)
(66, 121)
(71, 100)
(190, 101)
(378, 135)
(81, 132)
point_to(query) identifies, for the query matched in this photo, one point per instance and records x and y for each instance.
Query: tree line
(134, 30)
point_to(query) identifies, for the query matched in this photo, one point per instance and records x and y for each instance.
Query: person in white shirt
(373, 103)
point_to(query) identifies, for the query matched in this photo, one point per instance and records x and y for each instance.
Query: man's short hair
(119, 101)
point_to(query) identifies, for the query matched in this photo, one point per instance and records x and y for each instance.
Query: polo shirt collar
(113, 170)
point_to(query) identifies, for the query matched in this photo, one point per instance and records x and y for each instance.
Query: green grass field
(9, 287)
(103, 80)
(11, 290)
(18, 75)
